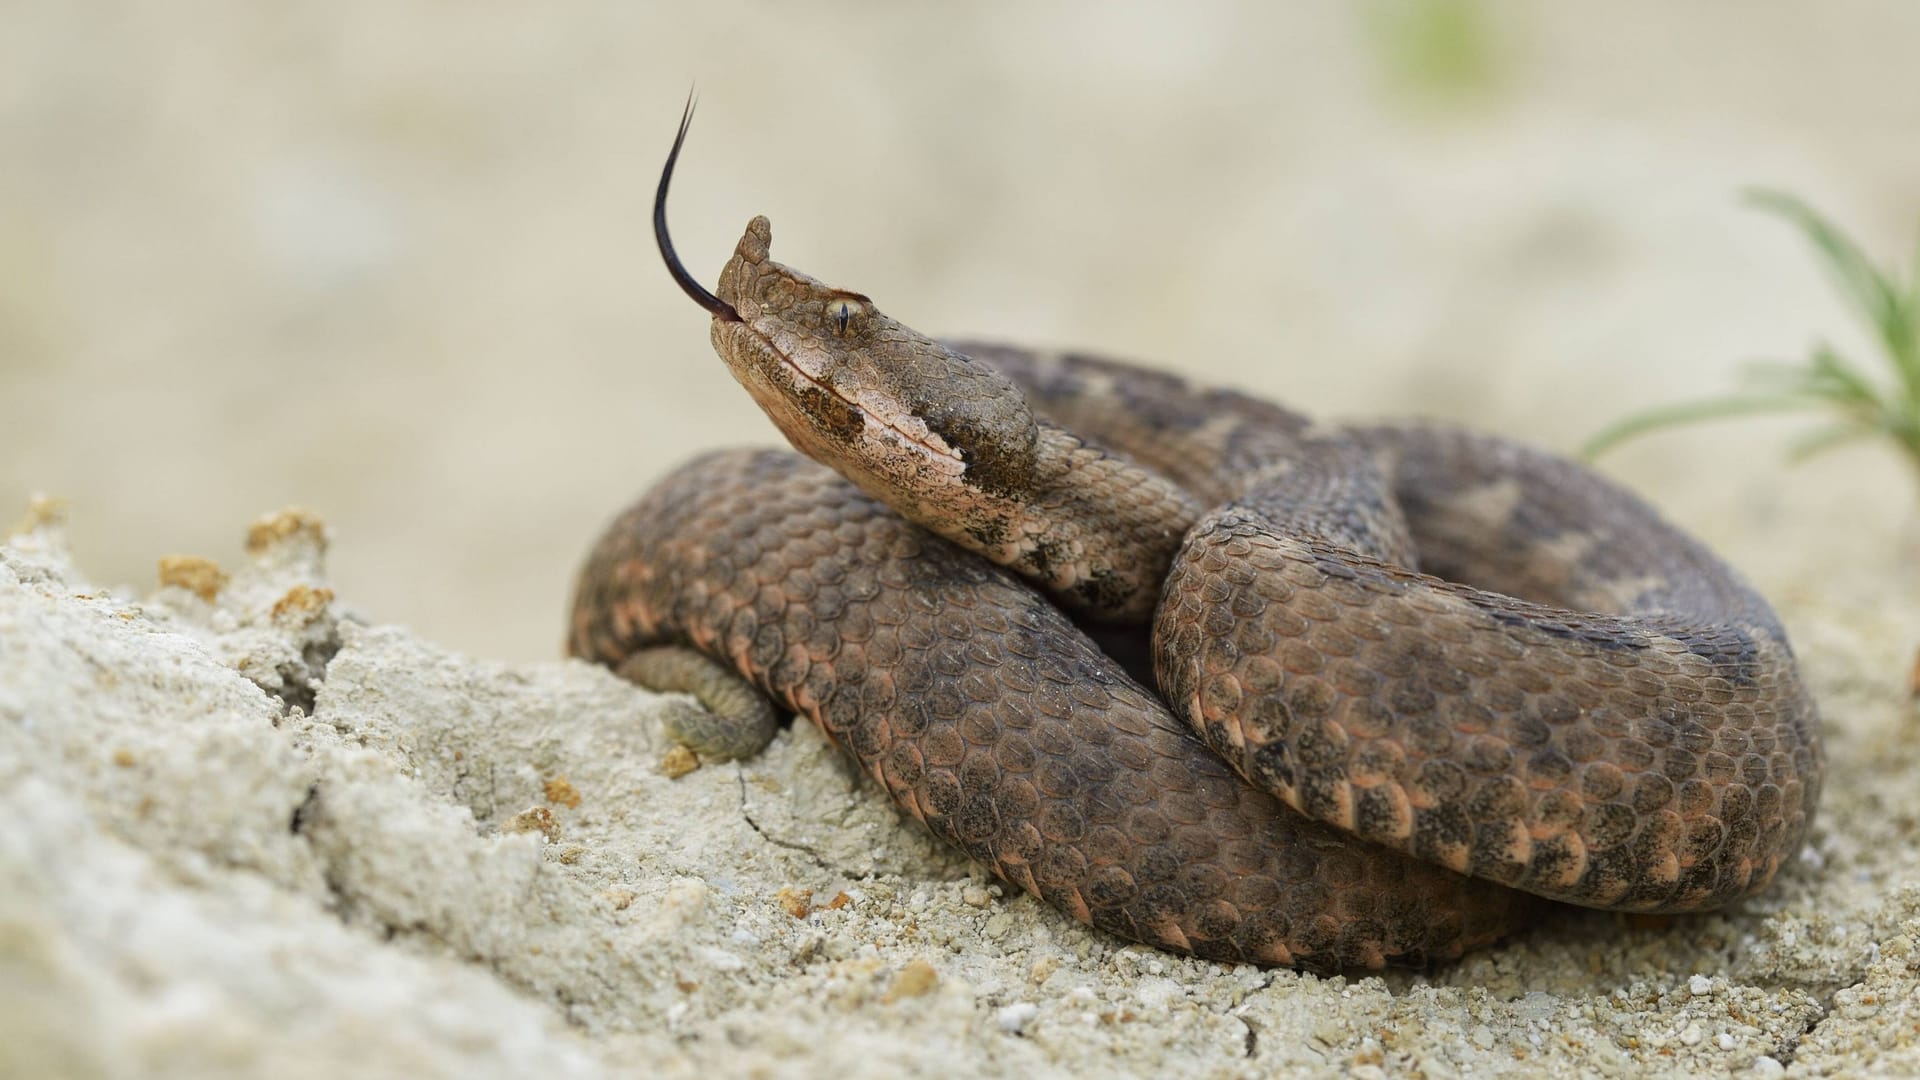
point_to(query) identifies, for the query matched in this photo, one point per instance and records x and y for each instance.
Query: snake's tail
(731, 720)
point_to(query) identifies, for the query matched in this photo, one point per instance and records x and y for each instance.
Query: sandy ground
(247, 833)
(390, 261)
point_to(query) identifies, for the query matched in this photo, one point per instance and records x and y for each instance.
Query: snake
(1193, 668)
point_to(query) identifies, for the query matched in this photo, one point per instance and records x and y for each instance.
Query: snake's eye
(842, 313)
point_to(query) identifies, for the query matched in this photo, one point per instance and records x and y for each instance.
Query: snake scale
(1406, 679)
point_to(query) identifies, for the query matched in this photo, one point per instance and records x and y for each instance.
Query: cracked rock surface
(246, 831)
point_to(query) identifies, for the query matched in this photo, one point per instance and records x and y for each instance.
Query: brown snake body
(1465, 667)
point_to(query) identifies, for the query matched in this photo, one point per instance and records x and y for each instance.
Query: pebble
(1013, 1019)
(917, 979)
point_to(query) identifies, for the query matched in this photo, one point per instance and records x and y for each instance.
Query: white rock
(1013, 1019)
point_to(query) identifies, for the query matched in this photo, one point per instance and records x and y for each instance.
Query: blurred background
(390, 259)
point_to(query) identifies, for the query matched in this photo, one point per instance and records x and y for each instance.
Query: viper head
(892, 409)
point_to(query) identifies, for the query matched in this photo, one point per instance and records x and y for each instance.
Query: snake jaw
(795, 387)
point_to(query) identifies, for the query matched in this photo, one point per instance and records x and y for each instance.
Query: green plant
(1443, 52)
(1857, 403)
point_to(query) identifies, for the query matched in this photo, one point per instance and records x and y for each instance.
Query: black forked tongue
(720, 308)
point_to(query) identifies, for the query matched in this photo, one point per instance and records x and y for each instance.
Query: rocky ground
(249, 830)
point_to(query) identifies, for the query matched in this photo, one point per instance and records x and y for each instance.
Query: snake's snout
(751, 282)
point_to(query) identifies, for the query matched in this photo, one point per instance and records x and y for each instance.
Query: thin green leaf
(1840, 381)
(1901, 335)
(1826, 376)
(1892, 309)
(1913, 285)
(1907, 357)
(1859, 403)
(1907, 440)
(1775, 376)
(1689, 412)
(1861, 281)
(1827, 438)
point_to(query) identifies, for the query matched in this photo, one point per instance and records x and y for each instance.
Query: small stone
(534, 819)
(721, 959)
(686, 898)
(1691, 1035)
(917, 979)
(561, 793)
(277, 528)
(201, 577)
(1724, 1042)
(795, 902)
(975, 896)
(1482, 1036)
(1699, 986)
(678, 762)
(1155, 994)
(303, 600)
(123, 757)
(1766, 1066)
(43, 512)
(1013, 1019)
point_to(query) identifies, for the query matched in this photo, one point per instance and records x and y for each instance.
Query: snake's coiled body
(1660, 761)
(1633, 733)
(985, 714)
(1461, 664)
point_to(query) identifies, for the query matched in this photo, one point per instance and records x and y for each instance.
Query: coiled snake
(1404, 671)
